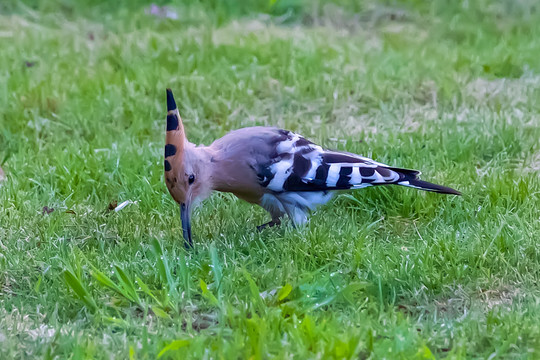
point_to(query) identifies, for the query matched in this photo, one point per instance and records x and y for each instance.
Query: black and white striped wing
(300, 165)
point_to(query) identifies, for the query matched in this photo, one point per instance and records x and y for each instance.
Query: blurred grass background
(448, 87)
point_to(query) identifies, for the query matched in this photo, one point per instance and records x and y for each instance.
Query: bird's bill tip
(171, 104)
(185, 216)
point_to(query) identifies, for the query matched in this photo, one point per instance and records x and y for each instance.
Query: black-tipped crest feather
(171, 104)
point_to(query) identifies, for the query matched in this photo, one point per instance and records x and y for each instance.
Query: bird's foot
(274, 222)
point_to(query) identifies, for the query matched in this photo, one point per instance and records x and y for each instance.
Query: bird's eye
(191, 179)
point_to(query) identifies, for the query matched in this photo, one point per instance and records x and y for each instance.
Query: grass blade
(75, 284)
(207, 294)
(175, 345)
(164, 269)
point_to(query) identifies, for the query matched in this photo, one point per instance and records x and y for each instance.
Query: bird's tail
(410, 178)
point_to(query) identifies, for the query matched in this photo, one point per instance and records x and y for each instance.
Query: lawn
(451, 88)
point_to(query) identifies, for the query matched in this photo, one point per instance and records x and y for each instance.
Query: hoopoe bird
(277, 169)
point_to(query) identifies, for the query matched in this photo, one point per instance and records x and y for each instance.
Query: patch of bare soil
(503, 296)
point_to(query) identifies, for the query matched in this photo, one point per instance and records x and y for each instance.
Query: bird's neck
(231, 172)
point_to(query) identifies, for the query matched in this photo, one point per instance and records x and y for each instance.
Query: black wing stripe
(367, 172)
(301, 165)
(344, 178)
(321, 174)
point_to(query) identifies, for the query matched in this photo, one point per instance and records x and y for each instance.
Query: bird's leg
(274, 222)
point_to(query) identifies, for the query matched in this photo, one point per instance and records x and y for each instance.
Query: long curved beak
(185, 215)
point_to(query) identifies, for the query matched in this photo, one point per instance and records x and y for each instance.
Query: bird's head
(187, 174)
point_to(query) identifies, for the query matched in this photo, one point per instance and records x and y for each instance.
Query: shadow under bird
(277, 169)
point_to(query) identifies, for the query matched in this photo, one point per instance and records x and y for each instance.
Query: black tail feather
(427, 186)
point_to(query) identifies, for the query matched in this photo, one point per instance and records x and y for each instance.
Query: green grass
(450, 88)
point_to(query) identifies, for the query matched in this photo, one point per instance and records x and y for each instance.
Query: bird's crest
(175, 138)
